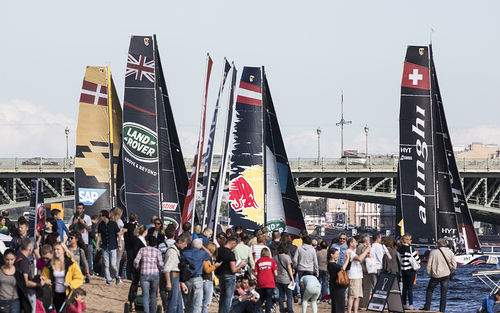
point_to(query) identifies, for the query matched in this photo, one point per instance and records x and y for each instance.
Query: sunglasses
(342, 238)
(157, 223)
(69, 238)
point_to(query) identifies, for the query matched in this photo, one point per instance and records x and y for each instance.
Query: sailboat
(98, 136)
(154, 172)
(431, 202)
(261, 187)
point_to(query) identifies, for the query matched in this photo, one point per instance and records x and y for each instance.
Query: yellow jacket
(73, 276)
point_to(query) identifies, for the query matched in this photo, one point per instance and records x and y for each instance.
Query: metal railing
(296, 164)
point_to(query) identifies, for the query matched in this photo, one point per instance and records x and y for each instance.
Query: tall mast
(342, 123)
(110, 127)
(264, 167)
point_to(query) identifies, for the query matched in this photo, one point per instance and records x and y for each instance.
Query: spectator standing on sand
(284, 278)
(243, 252)
(377, 252)
(257, 248)
(116, 216)
(275, 242)
(150, 262)
(13, 292)
(355, 274)
(92, 242)
(440, 265)
(171, 272)
(108, 232)
(49, 234)
(322, 265)
(266, 270)
(64, 275)
(139, 243)
(208, 283)
(392, 265)
(195, 257)
(311, 290)
(337, 292)
(406, 250)
(341, 245)
(61, 227)
(305, 258)
(129, 238)
(366, 282)
(82, 223)
(77, 248)
(226, 273)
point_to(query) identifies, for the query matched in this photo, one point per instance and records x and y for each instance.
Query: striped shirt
(150, 260)
(406, 251)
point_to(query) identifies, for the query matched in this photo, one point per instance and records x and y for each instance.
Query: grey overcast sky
(311, 50)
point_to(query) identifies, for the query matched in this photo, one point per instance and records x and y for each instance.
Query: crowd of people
(187, 267)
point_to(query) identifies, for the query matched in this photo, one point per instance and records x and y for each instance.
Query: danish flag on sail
(94, 93)
(189, 203)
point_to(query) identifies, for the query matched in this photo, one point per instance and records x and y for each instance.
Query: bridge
(370, 180)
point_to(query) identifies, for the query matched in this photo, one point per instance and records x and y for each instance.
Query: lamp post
(366, 134)
(318, 131)
(66, 131)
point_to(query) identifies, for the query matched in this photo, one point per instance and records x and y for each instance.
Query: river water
(465, 292)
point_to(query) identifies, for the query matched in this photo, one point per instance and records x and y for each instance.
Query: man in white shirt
(377, 253)
(355, 273)
(82, 223)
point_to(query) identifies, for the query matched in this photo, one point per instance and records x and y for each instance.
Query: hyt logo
(89, 196)
(140, 142)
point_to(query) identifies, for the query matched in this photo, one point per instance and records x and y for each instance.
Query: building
(476, 150)
(368, 215)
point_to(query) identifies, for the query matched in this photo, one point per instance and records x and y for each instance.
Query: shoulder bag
(342, 278)
(291, 285)
(452, 274)
(415, 265)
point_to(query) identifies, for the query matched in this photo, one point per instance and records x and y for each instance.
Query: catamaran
(98, 137)
(261, 188)
(431, 202)
(154, 172)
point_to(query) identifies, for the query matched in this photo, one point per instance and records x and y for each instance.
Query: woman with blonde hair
(63, 273)
(407, 251)
(208, 282)
(116, 216)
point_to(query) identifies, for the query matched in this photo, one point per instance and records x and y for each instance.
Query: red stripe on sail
(130, 105)
(294, 223)
(148, 192)
(249, 101)
(251, 87)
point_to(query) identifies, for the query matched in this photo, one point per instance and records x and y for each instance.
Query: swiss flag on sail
(415, 76)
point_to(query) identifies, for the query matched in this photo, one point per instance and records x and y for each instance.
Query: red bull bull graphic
(241, 194)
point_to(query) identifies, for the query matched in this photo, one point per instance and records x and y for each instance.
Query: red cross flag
(415, 76)
(94, 93)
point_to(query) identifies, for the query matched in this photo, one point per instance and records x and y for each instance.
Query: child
(76, 303)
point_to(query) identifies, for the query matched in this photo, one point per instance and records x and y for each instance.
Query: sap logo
(88, 196)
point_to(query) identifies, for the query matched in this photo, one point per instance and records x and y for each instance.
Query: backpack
(184, 266)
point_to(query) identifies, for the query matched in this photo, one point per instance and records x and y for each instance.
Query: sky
(311, 51)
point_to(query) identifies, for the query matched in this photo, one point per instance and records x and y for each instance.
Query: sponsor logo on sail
(168, 220)
(422, 154)
(168, 206)
(241, 194)
(140, 142)
(89, 196)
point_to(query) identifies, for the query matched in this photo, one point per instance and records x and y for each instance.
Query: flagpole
(201, 136)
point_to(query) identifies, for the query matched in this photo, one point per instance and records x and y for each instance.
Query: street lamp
(318, 131)
(66, 131)
(366, 134)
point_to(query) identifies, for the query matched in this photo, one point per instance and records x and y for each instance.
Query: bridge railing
(372, 163)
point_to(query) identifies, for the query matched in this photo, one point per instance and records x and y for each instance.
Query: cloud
(487, 134)
(28, 130)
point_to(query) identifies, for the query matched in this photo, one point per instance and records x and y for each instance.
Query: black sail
(293, 221)
(416, 173)
(454, 217)
(173, 180)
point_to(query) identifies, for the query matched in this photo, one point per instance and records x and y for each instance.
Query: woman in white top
(117, 217)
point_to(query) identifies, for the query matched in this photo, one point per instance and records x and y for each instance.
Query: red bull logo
(241, 194)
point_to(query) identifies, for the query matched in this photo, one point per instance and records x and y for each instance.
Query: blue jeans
(149, 286)
(109, 257)
(433, 282)
(284, 290)
(91, 258)
(266, 294)
(227, 285)
(174, 295)
(208, 289)
(324, 283)
(194, 296)
(15, 306)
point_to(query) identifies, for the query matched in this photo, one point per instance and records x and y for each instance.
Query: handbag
(452, 274)
(342, 278)
(415, 265)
